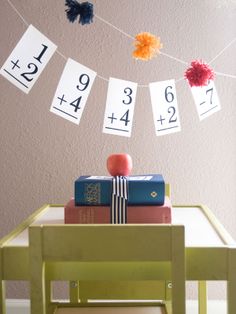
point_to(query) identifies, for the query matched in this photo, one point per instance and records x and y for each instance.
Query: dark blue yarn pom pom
(73, 10)
(84, 10)
(86, 13)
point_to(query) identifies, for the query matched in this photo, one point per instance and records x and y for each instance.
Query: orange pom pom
(147, 46)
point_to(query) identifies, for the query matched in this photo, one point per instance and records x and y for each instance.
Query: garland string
(118, 29)
(174, 58)
(129, 36)
(223, 50)
(224, 74)
(18, 13)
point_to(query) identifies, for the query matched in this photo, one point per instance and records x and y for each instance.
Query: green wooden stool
(82, 291)
(105, 253)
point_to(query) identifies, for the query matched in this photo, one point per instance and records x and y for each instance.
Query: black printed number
(172, 111)
(169, 96)
(84, 80)
(128, 91)
(76, 103)
(33, 67)
(210, 91)
(41, 53)
(125, 118)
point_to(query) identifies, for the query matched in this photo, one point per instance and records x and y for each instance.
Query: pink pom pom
(199, 73)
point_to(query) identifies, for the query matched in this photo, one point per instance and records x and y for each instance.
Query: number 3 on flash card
(28, 59)
(119, 111)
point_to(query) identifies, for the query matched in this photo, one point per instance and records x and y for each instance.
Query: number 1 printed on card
(28, 59)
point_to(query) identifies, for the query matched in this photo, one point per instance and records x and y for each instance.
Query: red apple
(119, 164)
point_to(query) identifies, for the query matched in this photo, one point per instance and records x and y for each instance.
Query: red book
(101, 214)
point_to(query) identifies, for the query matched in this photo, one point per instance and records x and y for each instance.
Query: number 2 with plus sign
(165, 107)
(28, 59)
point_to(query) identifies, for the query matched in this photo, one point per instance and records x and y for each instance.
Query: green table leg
(2, 288)
(168, 307)
(231, 291)
(168, 287)
(37, 269)
(167, 301)
(50, 308)
(2, 298)
(74, 291)
(202, 297)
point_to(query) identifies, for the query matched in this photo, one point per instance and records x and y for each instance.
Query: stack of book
(141, 199)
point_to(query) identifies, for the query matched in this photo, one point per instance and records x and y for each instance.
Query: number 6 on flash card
(165, 107)
(28, 59)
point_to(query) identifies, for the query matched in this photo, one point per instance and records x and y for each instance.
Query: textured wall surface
(41, 154)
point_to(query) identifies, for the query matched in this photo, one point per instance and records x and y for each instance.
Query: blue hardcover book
(142, 190)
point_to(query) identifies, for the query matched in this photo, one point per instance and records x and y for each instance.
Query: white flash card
(28, 59)
(206, 100)
(164, 107)
(119, 111)
(73, 91)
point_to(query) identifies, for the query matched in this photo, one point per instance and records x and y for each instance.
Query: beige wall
(42, 154)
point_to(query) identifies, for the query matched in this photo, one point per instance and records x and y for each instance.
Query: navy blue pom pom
(86, 13)
(84, 10)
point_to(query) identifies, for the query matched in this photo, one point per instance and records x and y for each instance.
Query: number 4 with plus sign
(165, 107)
(119, 107)
(72, 91)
